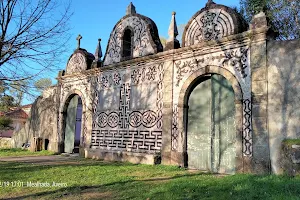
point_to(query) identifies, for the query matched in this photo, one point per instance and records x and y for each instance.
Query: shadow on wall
(42, 121)
(128, 101)
(284, 95)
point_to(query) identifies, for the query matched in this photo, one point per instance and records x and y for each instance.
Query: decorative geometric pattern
(123, 128)
(212, 24)
(124, 105)
(247, 128)
(175, 134)
(127, 140)
(159, 102)
(147, 119)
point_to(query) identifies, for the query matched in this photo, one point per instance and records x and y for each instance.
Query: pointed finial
(130, 9)
(79, 37)
(173, 31)
(209, 2)
(172, 42)
(98, 53)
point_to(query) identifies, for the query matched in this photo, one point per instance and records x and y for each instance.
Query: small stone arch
(127, 49)
(182, 110)
(63, 112)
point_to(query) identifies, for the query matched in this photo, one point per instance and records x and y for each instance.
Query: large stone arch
(62, 116)
(185, 90)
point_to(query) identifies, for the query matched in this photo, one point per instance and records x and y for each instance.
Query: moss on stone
(290, 142)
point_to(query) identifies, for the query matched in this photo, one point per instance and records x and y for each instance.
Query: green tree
(6, 101)
(17, 90)
(42, 84)
(283, 15)
(5, 123)
(163, 41)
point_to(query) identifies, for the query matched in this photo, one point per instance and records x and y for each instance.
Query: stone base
(136, 158)
(172, 45)
(290, 159)
(173, 158)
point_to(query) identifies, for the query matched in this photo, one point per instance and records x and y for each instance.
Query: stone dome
(79, 61)
(142, 37)
(213, 22)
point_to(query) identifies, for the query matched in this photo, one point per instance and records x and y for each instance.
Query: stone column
(261, 153)
(167, 112)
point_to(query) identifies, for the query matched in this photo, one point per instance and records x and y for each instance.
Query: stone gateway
(222, 101)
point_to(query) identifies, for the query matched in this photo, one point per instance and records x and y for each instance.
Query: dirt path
(43, 160)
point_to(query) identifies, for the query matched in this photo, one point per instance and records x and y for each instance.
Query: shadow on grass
(36, 165)
(188, 186)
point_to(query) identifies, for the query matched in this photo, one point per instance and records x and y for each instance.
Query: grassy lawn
(22, 152)
(89, 179)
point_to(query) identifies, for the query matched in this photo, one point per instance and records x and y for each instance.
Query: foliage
(283, 15)
(42, 84)
(5, 123)
(17, 90)
(33, 36)
(163, 41)
(89, 179)
(6, 102)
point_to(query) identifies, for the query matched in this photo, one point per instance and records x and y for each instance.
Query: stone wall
(283, 62)
(42, 121)
(5, 143)
(127, 110)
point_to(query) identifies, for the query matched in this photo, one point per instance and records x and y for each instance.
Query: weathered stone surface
(216, 21)
(137, 158)
(259, 74)
(283, 100)
(289, 160)
(259, 87)
(42, 123)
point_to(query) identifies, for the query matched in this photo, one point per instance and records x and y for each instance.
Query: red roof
(17, 114)
(26, 106)
(6, 134)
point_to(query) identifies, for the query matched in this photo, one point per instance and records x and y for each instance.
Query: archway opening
(73, 123)
(211, 128)
(127, 44)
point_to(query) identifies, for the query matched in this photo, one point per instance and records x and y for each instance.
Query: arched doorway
(73, 118)
(211, 128)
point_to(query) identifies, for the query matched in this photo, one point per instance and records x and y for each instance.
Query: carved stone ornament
(120, 122)
(76, 64)
(145, 39)
(237, 62)
(212, 24)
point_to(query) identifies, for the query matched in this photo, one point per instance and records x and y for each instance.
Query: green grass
(290, 142)
(89, 179)
(22, 152)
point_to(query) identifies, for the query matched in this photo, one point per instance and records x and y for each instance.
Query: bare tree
(33, 37)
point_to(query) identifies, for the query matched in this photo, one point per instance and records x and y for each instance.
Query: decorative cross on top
(79, 37)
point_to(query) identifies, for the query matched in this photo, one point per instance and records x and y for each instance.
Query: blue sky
(95, 19)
